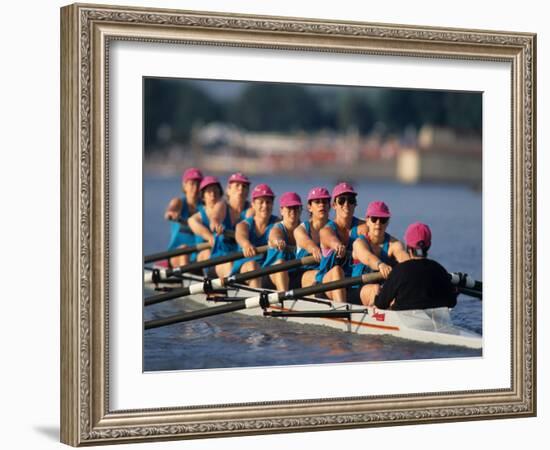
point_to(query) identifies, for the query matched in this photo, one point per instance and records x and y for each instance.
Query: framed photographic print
(201, 152)
(363, 135)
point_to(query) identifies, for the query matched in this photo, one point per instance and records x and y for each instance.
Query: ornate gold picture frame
(87, 32)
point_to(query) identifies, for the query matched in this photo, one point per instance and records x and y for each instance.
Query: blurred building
(432, 154)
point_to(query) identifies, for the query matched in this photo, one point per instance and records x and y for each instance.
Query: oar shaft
(199, 314)
(343, 314)
(325, 287)
(215, 261)
(464, 280)
(175, 252)
(183, 250)
(288, 265)
(159, 298)
(198, 288)
(263, 300)
(251, 302)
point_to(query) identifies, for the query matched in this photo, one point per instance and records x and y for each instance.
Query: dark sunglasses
(382, 220)
(342, 199)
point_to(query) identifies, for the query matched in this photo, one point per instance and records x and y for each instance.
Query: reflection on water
(234, 340)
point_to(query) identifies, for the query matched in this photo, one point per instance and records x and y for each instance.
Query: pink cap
(262, 190)
(378, 209)
(318, 193)
(238, 178)
(343, 188)
(290, 199)
(416, 233)
(208, 181)
(192, 174)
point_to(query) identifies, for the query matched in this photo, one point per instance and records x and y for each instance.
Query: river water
(232, 340)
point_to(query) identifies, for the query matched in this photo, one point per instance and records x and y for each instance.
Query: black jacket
(417, 284)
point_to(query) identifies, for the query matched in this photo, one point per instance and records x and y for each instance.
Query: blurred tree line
(173, 107)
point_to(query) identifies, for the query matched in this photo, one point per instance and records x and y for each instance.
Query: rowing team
(342, 247)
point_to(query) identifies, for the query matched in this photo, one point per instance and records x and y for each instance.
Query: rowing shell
(426, 325)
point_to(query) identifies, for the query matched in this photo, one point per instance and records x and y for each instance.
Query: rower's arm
(217, 215)
(397, 251)
(198, 228)
(362, 253)
(218, 212)
(328, 238)
(276, 238)
(173, 209)
(303, 240)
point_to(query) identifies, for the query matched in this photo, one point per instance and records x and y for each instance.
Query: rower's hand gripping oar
(263, 300)
(209, 285)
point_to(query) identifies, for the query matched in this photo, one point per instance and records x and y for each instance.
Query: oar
(166, 273)
(184, 250)
(467, 285)
(199, 288)
(176, 252)
(184, 224)
(263, 300)
(464, 280)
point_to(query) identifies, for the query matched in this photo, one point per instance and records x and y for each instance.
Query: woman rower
(236, 207)
(179, 210)
(281, 235)
(308, 239)
(338, 235)
(224, 217)
(202, 222)
(375, 250)
(254, 231)
(237, 203)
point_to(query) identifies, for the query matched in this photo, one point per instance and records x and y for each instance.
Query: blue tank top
(227, 225)
(222, 245)
(181, 234)
(257, 241)
(353, 232)
(228, 245)
(227, 219)
(328, 261)
(307, 226)
(205, 221)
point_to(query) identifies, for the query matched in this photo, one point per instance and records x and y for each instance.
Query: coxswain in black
(419, 283)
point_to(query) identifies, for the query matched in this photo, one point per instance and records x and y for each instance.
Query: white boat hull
(429, 325)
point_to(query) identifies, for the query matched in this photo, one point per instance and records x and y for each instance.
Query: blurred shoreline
(432, 155)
